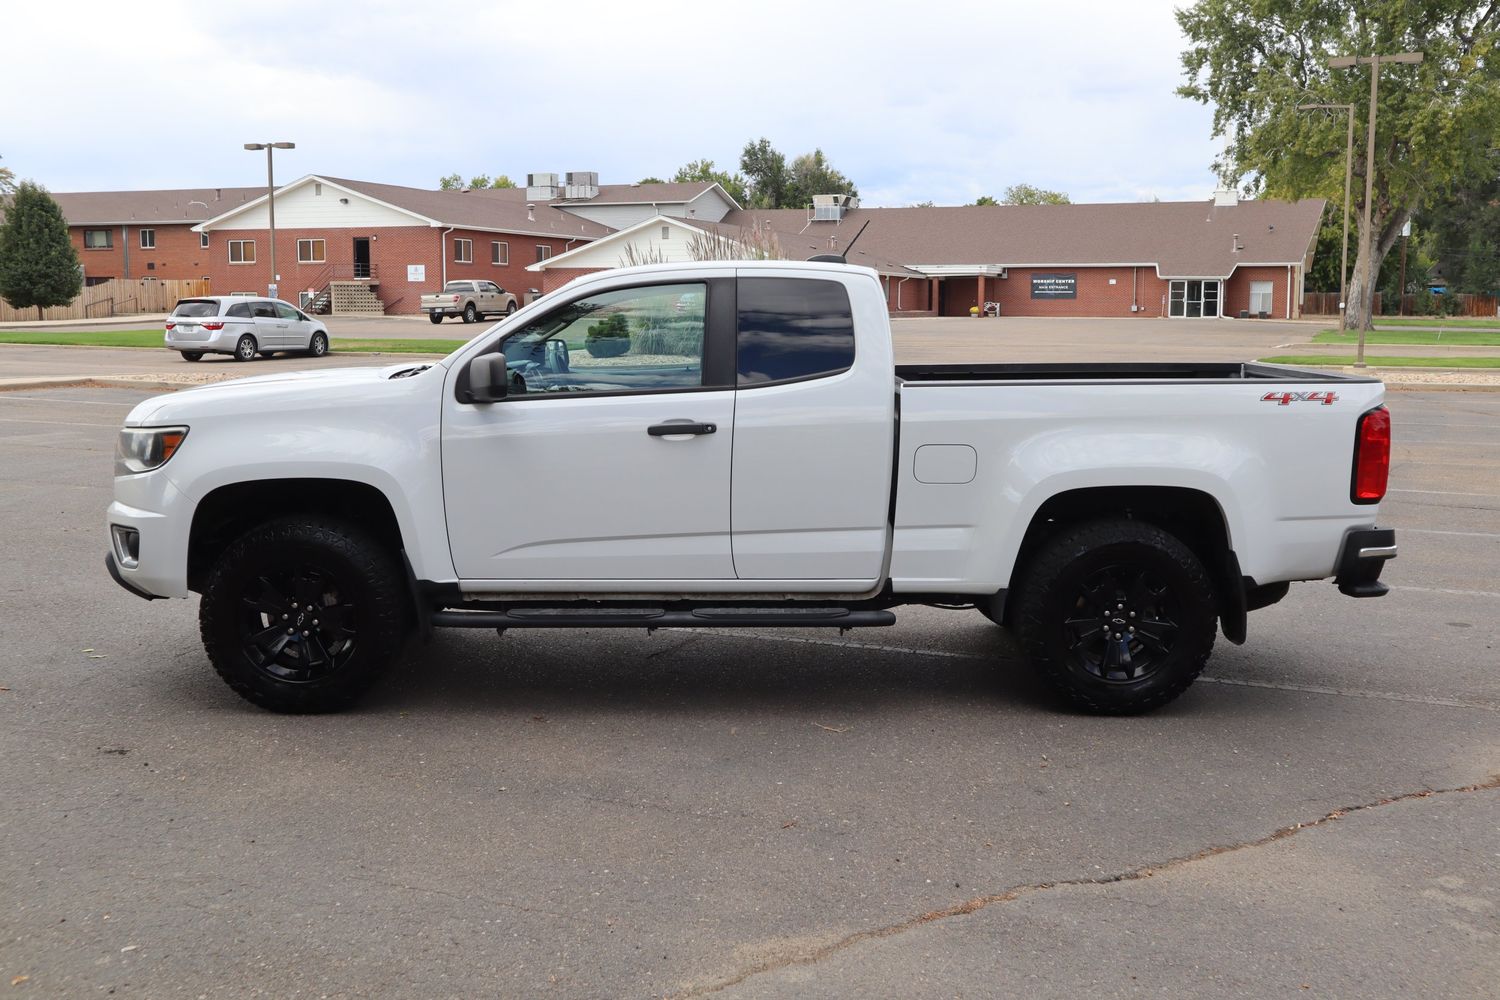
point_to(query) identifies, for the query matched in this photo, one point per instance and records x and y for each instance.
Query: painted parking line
(54, 423)
(7, 397)
(875, 647)
(1448, 493)
(1435, 531)
(1445, 590)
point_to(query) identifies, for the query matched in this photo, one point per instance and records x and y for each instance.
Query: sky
(933, 101)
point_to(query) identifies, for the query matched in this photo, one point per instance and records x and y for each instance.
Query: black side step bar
(543, 617)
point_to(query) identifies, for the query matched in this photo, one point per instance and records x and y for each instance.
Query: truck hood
(280, 391)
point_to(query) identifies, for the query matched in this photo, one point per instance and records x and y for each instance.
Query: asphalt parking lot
(895, 812)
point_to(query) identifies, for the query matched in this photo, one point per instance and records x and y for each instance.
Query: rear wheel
(470, 313)
(318, 346)
(303, 614)
(1119, 617)
(191, 355)
(435, 318)
(245, 349)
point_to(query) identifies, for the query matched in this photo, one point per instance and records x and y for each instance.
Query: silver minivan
(243, 326)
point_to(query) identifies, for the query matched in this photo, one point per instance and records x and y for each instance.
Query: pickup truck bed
(1132, 371)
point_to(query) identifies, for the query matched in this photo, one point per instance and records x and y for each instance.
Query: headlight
(141, 449)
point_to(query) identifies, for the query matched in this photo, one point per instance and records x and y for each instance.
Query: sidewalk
(140, 321)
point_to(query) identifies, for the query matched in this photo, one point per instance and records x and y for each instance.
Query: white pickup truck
(472, 300)
(749, 456)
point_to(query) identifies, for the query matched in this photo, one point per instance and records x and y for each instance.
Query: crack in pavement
(814, 955)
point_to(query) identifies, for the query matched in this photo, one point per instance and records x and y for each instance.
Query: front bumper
(160, 516)
(1361, 560)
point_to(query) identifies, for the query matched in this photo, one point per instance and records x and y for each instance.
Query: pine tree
(38, 265)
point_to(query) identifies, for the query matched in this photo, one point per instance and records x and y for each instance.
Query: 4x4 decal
(1287, 398)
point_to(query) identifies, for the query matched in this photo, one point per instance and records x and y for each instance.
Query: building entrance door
(1192, 299)
(361, 256)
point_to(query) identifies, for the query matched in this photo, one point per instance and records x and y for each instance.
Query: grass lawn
(1457, 322)
(1467, 337)
(153, 338)
(1334, 361)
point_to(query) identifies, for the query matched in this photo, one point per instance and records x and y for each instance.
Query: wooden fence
(116, 297)
(1327, 304)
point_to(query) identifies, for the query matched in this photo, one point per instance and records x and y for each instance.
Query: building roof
(802, 246)
(479, 209)
(181, 205)
(1181, 239)
(670, 193)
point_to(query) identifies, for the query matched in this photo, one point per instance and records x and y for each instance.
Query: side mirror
(487, 378)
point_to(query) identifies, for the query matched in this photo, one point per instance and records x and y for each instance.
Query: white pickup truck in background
(470, 299)
(731, 444)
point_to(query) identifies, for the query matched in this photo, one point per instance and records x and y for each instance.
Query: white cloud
(941, 101)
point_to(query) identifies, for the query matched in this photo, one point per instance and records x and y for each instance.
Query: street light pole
(1367, 238)
(1348, 181)
(270, 147)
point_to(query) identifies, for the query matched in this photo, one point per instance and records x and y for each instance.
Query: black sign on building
(1054, 286)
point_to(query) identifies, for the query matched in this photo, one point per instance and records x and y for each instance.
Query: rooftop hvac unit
(582, 185)
(541, 187)
(831, 207)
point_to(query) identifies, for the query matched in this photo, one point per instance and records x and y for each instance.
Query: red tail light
(213, 326)
(171, 325)
(1372, 456)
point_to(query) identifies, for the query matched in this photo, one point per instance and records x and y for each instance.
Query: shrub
(608, 338)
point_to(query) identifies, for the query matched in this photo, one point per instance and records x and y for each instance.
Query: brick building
(361, 246)
(1220, 257)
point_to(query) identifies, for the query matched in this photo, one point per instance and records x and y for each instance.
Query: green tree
(703, 170)
(38, 265)
(478, 182)
(503, 181)
(651, 180)
(811, 174)
(1255, 61)
(766, 173)
(985, 199)
(924, 204)
(1464, 226)
(452, 182)
(1030, 194)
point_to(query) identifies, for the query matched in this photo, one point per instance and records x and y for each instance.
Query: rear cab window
(195, 308)
(458, 286)
(791, 329)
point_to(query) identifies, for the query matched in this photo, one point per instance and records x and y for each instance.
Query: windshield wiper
(408, 372)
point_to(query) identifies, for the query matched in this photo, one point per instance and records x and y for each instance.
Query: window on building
(1260, 298)
(463, 251)
(317, 189)
(148, 239)
(242, 251)
(203, 240)
(792, 328)
(499, 253)
(543, 251)
(312, 251)
(666, 232)
(98, 239)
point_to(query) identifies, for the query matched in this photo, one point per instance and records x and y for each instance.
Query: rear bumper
(220, 343)
(1361, 560)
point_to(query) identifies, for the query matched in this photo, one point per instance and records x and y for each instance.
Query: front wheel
(303, 614)
(1119, 617)
(470, 313)
(191, 355)
(245, 349)
(318, 346)
(435, 318)
(510, 309)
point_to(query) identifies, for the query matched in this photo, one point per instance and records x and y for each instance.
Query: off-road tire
(1061, 585)
(364, 574)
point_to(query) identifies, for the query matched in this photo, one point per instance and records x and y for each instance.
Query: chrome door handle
(684, 427)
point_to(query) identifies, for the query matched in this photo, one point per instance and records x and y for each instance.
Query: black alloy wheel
(1118, 616)
(303, 614)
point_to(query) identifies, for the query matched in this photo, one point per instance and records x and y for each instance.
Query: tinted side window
(240, 310)
(285, 311)
(792, 328)
(264, 310)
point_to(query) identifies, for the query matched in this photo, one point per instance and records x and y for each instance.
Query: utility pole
(1367, 238)
(271, 147)
(1348, 109)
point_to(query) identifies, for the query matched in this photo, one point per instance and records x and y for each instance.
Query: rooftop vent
(831, 207)
(542, 187)
(1225, 197)
(582, 184)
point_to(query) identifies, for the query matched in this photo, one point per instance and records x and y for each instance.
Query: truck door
(814, 428)
(579, 475)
